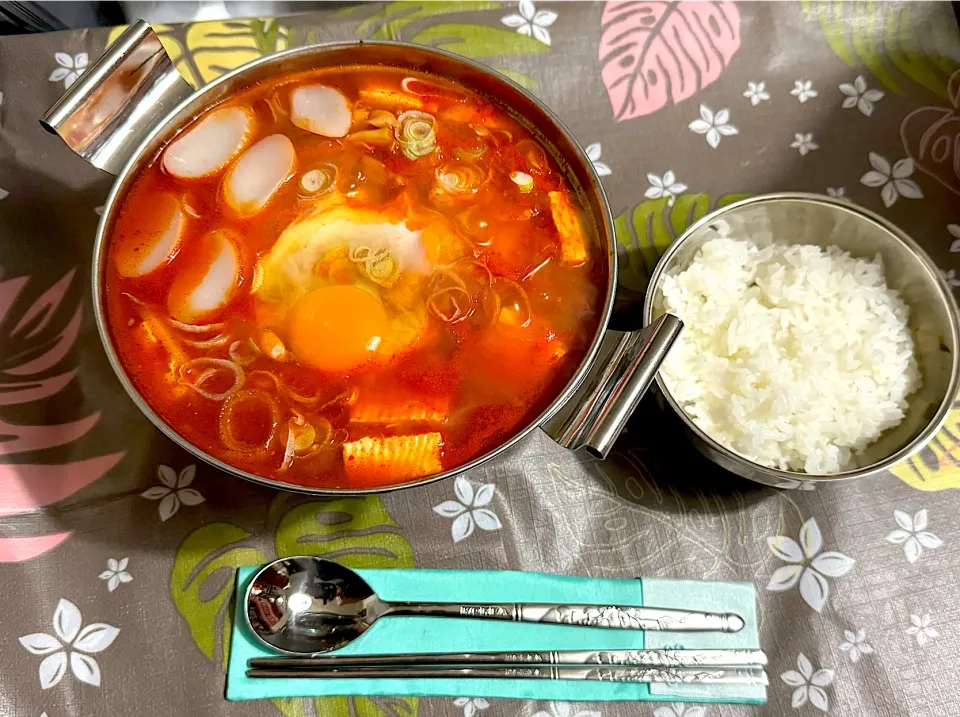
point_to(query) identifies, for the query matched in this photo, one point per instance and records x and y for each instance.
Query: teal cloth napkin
(433, 634)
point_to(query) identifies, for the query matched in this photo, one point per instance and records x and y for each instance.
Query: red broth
(373, 280)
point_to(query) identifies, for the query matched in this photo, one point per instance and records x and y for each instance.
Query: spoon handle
(612, 616)
(689, 675)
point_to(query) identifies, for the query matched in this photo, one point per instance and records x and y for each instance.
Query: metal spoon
(306, 605)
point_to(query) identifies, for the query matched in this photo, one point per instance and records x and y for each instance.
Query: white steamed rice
(792, 356)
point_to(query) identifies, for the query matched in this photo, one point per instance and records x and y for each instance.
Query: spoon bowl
(306, 605)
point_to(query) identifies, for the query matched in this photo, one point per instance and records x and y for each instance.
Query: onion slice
(218, 340)
(209, 368)
(451, 304)
(244, 352)
(304, 437)
(253, 379)
(229, 408)
(196, 328)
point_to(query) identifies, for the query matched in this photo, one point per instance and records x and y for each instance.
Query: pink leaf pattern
(23, 392)
(931, 138)
(9, 291)
(27, 487)
(55, 353)
(40, 339)
(44, 307)
(652, 53)
(17, 439)
(16, 550)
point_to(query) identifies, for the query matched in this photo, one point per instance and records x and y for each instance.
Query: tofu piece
(573, 238)
(380, 409)
(389, 99)
(378, 459)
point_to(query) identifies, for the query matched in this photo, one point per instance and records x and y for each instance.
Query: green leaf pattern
(357, 532)
(645, 232)
(410, 21)
(909, 51)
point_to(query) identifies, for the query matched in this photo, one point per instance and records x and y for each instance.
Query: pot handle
(623, 370)
(107, 112)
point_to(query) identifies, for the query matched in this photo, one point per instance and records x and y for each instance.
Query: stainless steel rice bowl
(813, 219)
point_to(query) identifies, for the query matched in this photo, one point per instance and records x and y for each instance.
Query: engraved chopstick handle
(684, 675)
(648, 658)
(632, 618)
(612, 616)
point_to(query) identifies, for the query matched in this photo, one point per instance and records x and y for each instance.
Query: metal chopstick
(687, 675)
(650, 658)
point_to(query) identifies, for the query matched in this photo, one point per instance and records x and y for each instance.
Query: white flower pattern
(756, 92)
(855, 644)
(808, 684)
(791, 484)
(565, 709)
(679, 710)
(173, 490)
(922, 628)
(954, 230)
(913, 534)
(807, 565)
(593, 153)
(714, 126)
(665, 186)
(70, 644)
(837, 193)
(803, 90)
(895, 182)
(469, 509)
(70, 67)
(860, 96)
(471, 705)
(951, 278)
(532, 22)
(116, 573)
(804, 143)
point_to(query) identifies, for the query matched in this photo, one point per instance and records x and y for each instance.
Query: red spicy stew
(352, 278)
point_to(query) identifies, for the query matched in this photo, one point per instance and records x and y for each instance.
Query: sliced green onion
(471, 153)
(379, 264)
(523, 180)
(359, 254)
(417, 133)
(534, 154)
(319, 180)
(460, 179)
(381, 267)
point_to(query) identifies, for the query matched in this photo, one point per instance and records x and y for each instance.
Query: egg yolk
(336, 328)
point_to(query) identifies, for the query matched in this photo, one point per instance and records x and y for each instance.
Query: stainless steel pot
(132, 101)
(822, 221)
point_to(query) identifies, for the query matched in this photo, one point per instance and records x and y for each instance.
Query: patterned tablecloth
(117, 548)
